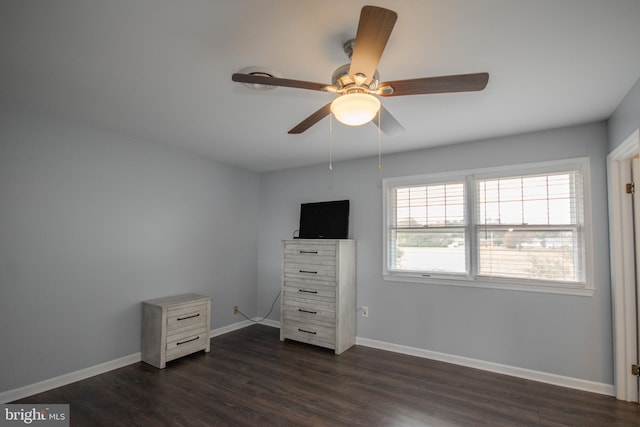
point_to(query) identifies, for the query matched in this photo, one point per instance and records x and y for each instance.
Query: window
(429, 228)
(520, 227)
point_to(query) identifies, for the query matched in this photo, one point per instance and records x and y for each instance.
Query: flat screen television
(324, 220)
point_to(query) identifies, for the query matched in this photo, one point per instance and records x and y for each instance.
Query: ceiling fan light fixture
(358, 80)
(355, 109)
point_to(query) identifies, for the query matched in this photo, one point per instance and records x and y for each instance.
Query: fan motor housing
(343, 80)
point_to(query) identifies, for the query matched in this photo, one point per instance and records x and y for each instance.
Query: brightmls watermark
(34, 415)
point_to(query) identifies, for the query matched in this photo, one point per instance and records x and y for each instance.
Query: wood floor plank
(250, 378)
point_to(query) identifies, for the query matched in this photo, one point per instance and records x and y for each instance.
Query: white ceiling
(160, 70)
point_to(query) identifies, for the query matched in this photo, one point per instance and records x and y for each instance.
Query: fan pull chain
(379, 144)
(330, 141)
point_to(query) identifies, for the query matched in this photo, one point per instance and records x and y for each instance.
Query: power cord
(267, 315)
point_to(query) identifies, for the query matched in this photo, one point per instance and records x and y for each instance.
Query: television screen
(324, 220)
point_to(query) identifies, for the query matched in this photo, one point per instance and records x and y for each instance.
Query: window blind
(428, 233)
(530, 227)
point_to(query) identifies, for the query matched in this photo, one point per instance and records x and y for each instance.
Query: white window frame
(472, 279)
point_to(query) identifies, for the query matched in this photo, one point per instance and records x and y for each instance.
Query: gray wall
(565, 335)
(626, 119)
(91, 224)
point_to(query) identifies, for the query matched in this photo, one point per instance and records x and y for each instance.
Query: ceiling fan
(357, 82)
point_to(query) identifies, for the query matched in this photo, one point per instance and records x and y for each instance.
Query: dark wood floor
(250, 378)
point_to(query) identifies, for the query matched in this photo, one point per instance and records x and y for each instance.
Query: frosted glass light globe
(355, 109)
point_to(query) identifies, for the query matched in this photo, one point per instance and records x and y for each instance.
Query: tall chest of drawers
(173, 327)
(318, 304)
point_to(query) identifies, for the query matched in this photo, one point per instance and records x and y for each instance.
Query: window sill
(509, 285)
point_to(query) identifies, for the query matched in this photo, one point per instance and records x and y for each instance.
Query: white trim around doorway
(622, 269)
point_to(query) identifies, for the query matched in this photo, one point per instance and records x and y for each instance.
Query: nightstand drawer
(186, 342)
(186, 316)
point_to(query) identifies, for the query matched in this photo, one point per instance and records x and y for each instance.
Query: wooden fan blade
(442, 84)
(388, 124)
(260, 79)
(374, 29)
(311, 120)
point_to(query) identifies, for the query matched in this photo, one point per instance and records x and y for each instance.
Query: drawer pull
(308, 271)
(304, 291)
(189, 340)
(188, 317)
(306, 332)
(307, 311)
(308, 252)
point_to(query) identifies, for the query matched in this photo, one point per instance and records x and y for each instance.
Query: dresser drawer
(186, 317)
(309, 291)
(304, 261)
(311, 334)
(306, 250)
(309, 260)
(308, 271)
(309, 309)
(308, 321)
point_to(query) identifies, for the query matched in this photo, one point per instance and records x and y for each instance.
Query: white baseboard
(269, 322)
(529, 374)
(72, 377)
(229, 328)
(243, 324)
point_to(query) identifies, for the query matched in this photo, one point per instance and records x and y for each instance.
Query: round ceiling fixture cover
(260, 71)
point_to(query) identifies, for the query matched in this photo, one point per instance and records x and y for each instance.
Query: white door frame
(623, 298)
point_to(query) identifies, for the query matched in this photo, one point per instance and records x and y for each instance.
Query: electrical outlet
(235, 309)
(365, 311)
